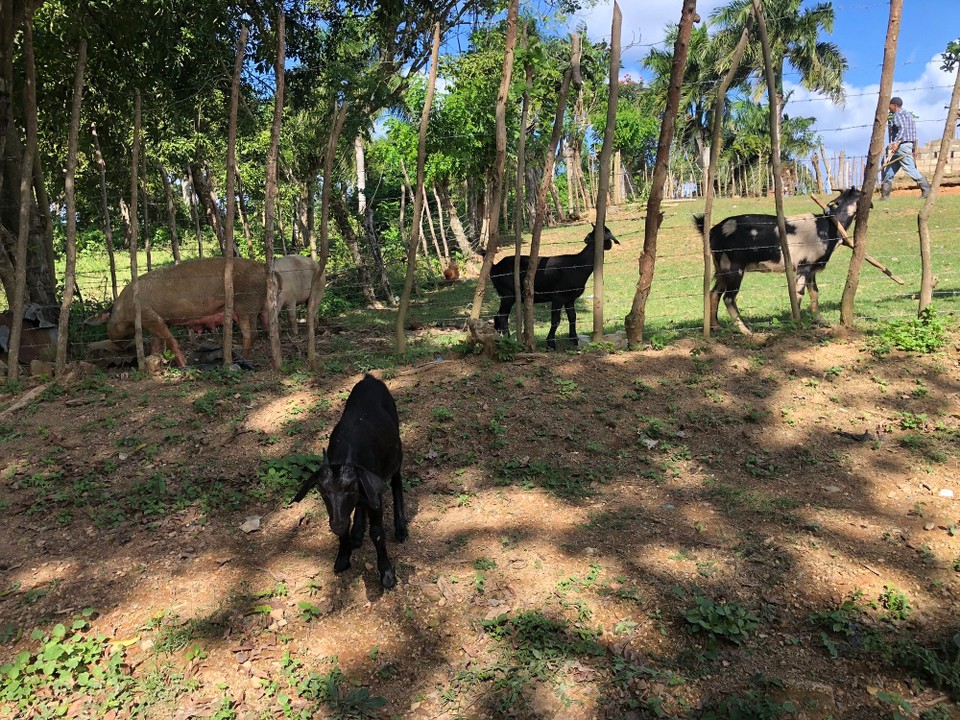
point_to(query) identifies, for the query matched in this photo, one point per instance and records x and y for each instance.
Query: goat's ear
(373, 488)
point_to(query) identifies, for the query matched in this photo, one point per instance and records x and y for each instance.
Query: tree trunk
(500, 159)
(636, 319)
(194, 211)
(603, 180)
(572, 210)
(716, 147)
(147, 239)
(228, 245)
(107, 229)
(70, 276)
(815, 162)
(456, 226)
(43, 209)
(207, 196)
(242, 211)
(774, 100)
(134, 280)
(26, 202)
(873, 164)
(360, 156)
(374, 244)
(171, 215)
(541, 202)
(519, 187)
(421, 161)
(270, 196)
(342, 217)
(926, 280)
(443, 231)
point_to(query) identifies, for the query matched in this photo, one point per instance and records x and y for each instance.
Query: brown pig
(191, 295)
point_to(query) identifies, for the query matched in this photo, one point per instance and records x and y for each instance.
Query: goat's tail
(308, 485)
(698, 221)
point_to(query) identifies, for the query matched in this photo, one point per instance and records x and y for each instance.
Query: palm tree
(795, 38)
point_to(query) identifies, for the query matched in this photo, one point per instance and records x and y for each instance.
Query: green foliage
(565, 483)
(507, 348)
(282, 477)
(895, 604)
(752, 706)
(720, 621)
(923, 334)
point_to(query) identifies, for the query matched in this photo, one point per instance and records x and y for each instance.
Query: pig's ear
(373, 488)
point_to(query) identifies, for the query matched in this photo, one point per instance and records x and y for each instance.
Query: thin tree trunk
(926, 279)
(774, 99)
(70, 276)
(270, 196)
(194, 211)
(520, 181)
(171, 216)
(242, 211)
(445, 257)
(107, 229)
(873, 164)
(500, 159)
(421, 161)
(317, 286)
(573, 72)
(374, 244)
(207, 197)
(443, 231)
(636, 319)
(716, 147)
(360, 157)
(815, 162)
(43, 209)
(228, 245)
(455, 225)
(568, 158)
(826, 169)
(342, 217)
(146, 214)
(603, 180)
(132, 225)
(26, 186)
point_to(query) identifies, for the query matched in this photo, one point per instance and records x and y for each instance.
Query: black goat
(744, 243)
(560, 280)
(364, 450)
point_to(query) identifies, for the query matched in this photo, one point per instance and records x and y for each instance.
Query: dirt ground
(568, 514)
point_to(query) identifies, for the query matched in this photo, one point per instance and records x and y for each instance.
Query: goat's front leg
(388, 578)
(343, 554)
(359, 528)
(399, 513)
(571, 308)
(554, 324)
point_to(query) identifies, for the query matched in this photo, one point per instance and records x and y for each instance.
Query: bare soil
(585, 499)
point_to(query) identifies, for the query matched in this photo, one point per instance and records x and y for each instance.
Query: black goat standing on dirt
(745, 243)
(560, 280)
(364, 450)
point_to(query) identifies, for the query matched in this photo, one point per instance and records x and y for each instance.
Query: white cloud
(849, 127)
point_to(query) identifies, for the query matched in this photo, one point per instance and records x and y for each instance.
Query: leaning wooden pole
(270, 198)
(319, 279)
(926, 277)
(132, 226)
(228, 243)
(603, 181)
(70, 276)
(716, 145)
(418, 204)
(774, 99)
(636, 318)
(107, 229)
(873, 163)
(519, 187)
(26, 187)
(500, 160)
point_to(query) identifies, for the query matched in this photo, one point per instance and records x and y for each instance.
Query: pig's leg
(248, 328)
(155, 325)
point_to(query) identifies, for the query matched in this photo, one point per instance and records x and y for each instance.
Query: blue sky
(860, 30)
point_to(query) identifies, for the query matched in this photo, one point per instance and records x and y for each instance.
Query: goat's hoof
(388, 578)
(356, 543)
(402, 534)
(340, 565)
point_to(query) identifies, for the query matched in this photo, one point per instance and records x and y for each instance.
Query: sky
(859, 31)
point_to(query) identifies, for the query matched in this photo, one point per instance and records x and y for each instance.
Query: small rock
(832, 488)
(929, 526)
(590, 551)
(946, 493)
(251, 524)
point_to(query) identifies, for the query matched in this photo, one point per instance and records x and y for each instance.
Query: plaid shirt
(901, 127)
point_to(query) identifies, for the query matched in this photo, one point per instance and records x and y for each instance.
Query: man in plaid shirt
(902, 150)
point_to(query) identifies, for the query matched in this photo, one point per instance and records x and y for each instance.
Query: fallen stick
(845, 240)
(25, 400)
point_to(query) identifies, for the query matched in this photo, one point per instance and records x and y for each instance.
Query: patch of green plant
(282, 477)
(895, 604)
(923, 334)
(507, 348)
(176, 636)
(752, 706)
(563, 482)
(329, 690)
(442, 414)
(720, 621)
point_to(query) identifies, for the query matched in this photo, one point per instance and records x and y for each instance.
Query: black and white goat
(560, 280)
(364, 450)
(745, 243)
